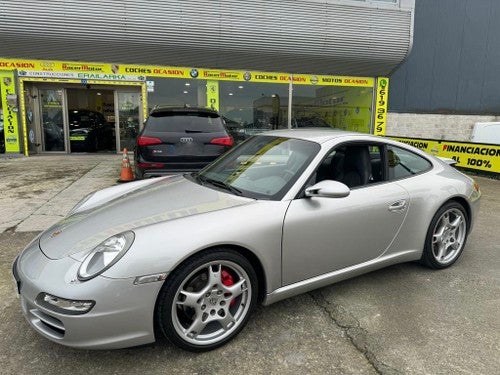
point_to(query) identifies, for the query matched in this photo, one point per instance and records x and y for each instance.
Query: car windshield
(184, 122)
(263, 167)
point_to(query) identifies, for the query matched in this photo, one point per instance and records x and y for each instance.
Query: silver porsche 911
(189, 257)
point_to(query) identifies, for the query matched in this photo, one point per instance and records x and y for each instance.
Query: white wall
(446, 127)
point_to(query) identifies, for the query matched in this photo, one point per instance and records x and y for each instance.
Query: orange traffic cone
(126, 174)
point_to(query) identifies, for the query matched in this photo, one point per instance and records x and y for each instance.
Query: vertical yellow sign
(213, 95)
(381, 105)
(10, 110)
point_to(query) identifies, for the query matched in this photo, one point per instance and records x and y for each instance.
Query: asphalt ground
(404, 319)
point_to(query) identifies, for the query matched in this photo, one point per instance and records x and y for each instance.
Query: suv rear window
(184, 122)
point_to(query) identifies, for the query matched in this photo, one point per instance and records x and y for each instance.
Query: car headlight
(105, 255)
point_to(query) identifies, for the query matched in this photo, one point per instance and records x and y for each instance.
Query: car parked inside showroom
(188, 257)
(179, 139)
(90, 132)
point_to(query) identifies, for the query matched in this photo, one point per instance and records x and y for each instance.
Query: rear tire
(207, 300)
(446, 236)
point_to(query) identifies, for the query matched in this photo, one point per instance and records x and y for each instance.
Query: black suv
(179, 140)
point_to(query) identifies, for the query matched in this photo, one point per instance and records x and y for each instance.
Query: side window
(352, 164)
(331, 167)
(403, 163)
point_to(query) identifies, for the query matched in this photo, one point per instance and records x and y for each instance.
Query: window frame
(386, 157)
(383, 161)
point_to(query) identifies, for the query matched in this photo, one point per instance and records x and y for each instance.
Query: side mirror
(328, 189)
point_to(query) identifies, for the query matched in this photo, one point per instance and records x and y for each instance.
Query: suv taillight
(224, 141)
(148, 141)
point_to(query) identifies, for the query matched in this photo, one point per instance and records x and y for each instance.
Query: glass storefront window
(128, 118)
(52, 119)
(341, 107)
(253, 107)
(250, 108)
(174, 92)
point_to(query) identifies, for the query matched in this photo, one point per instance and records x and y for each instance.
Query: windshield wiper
(220, 184)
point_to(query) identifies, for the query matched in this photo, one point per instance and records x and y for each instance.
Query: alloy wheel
(448, 237)
(211, 302)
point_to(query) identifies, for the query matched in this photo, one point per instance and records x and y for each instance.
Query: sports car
(188, 257)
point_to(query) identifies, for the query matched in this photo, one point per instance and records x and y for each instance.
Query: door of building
(129, 115)
(69, 117)
(91, 118)
(54, 136)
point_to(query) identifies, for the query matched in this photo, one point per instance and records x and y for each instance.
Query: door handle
(398, 206)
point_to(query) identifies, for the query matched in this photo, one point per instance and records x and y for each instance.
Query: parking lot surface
(404, 319)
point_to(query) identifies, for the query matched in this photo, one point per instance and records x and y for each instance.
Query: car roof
(318, 135)
(77, 110)
(167, 109)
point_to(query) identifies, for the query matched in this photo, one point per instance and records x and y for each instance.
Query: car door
(321, 235)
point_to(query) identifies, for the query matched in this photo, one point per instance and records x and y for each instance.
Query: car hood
(164, 200)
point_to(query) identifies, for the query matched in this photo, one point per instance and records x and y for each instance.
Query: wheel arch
(248, 254)
(427, 258)
(254, 261)
(465, 204)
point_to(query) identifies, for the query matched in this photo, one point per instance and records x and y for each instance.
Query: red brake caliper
(227, 280)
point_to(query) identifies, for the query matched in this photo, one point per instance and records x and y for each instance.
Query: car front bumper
(122, 316)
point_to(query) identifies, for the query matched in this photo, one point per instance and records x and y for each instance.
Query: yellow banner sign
(9, 99)
(56, 68)
(381, 105)
(478, 156)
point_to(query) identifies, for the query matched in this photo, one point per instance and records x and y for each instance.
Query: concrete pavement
(402, 319)
(40, 190)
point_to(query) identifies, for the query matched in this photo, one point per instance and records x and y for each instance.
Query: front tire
(207, 300)
(446, 236)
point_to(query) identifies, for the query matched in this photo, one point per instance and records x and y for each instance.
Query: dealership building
(262, 65)
(447, 89)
